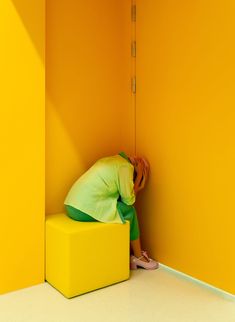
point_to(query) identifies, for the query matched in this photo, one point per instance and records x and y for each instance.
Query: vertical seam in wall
(133, 26)
(135, 111)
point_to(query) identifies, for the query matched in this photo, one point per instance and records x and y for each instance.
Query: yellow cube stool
(84, 256)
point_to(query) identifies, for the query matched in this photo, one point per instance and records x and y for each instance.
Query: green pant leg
(129, 213)
(77, 214)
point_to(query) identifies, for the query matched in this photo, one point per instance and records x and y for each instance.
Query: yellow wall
(89, 111)
(22, 144)
(185, 126)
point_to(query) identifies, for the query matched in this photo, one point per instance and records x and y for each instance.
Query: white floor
(159, 295)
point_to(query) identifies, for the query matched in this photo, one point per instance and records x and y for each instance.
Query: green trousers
(126, 213)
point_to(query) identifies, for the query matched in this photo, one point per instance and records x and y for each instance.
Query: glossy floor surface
(159, 295)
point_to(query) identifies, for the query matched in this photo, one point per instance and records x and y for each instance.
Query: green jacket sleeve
(126, 184)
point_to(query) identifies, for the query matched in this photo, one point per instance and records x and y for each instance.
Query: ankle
(137, 254)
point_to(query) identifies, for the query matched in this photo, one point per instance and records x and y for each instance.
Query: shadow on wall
(88, 74)
(88, 98)
(28, 10)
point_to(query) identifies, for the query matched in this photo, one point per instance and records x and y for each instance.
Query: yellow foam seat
(84, 256)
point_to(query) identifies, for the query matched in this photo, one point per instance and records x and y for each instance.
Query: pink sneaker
(136, 261)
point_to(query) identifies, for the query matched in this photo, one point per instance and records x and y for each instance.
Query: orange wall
(185, 126)
(89, 111)
(22, 102)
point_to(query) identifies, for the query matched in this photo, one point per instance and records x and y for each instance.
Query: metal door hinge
(133, 85)
(133, 12)
(133, 48)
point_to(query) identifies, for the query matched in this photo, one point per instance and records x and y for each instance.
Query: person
(106, 192)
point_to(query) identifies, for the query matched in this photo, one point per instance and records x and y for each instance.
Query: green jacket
(96, 192)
